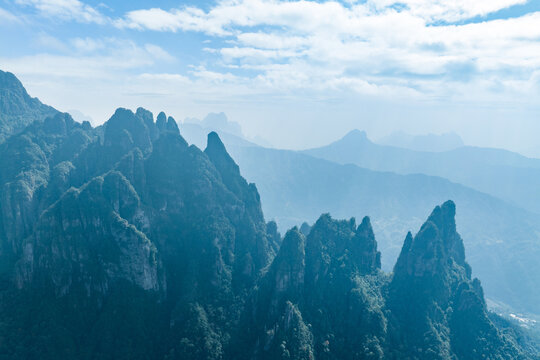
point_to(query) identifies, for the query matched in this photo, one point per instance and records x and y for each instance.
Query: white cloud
(270, 41)
(158, 52)
(177, 78)
(393, 50)
(373, 40)
(444, 10)
(174, 20)
(73, 10)
(86, 58)
(88, 45)
(50, 42)
(7, 17)
(212, 76)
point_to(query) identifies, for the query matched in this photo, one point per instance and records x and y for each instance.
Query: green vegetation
(124, 242)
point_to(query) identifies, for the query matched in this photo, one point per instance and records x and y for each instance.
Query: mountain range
(502, 240)
(501, 173)
(125, 242)
(428, 142)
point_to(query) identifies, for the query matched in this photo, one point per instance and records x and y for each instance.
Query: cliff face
(36, 166)
(88, 239)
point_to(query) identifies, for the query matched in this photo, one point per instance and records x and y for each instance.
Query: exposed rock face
(289, 338)
(35, 167)
(253, 248)
(88, 239)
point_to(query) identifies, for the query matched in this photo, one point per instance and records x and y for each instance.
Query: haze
(297, 73)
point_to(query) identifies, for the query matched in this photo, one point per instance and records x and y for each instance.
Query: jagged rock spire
(215, 149)
(161, 122)
(126, 130)
(172, 126)
(435, 247)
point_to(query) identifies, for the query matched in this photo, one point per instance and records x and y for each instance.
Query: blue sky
(298, 73)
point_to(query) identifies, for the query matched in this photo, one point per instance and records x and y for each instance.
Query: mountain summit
(17, 108)
(437, 308)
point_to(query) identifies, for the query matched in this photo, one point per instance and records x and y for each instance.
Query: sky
(296, 73)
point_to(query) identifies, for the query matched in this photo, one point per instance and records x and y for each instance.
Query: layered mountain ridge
(503, 240)
(504, 174)
(125, 242)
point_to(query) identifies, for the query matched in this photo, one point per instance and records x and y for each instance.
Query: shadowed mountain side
(502, 241)
(504, 174)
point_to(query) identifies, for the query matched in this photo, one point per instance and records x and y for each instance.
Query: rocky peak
(350, 247)
(146, 115)
(355, 136)
(273, 235)
(215, 149)
(288, 265)
(229, 170)
(60, 123)
(432, 293)
(305, 228)
(435, 248)
(125, 130)
(148, 119)
(161, 122)
(17, 108)
(9, 82)
(172, 126)
(364, 248)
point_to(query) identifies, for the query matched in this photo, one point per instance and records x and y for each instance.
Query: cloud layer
(278, 53)
(414, 46)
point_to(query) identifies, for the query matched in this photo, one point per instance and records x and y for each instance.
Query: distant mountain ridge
(230, 131)
(504, 174)
(502, 240)
(428, 142)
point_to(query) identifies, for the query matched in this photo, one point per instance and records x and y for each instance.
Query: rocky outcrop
(345, 307)
(35, 166)
(330, 281)
(89, 239)
(431, 289)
